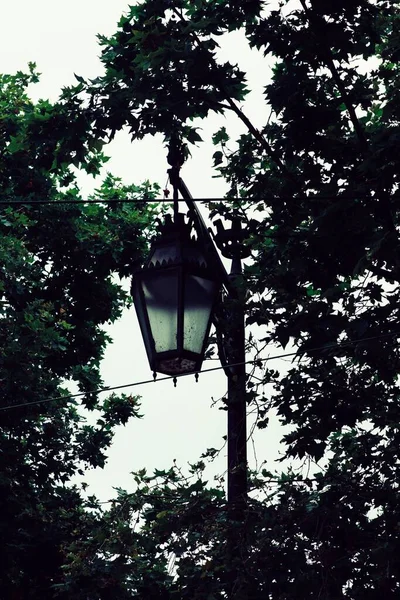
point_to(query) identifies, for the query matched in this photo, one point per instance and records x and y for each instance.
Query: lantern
(174, 295)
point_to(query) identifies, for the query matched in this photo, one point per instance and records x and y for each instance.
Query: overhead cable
(72, 201)
(174, 377)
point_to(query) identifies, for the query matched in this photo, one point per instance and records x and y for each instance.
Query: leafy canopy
(322, 174)
(59, 268)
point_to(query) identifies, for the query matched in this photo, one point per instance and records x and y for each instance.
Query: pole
(237, 434)
(237, 440)
(234, 350)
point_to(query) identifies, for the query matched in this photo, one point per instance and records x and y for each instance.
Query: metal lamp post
(174, 296)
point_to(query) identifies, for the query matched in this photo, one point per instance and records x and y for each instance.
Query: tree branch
(327, 57)
(239, 113)
(256, 134)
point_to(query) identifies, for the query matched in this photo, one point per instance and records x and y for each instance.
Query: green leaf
(220, 136)
(311, 292)
(217, 158)
(192, 136)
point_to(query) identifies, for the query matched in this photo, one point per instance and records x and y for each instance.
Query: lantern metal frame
(189, 259)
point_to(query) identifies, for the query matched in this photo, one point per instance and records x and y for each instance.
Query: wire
(137, 200)
(172, 377)
(81, 201)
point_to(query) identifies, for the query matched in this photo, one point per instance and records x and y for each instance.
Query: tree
(323, 172)
(57, 253)
(323, 175)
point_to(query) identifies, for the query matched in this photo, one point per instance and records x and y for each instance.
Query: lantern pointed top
(176, 245)
(173, 226)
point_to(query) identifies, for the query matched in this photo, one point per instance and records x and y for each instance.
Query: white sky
(178, 423)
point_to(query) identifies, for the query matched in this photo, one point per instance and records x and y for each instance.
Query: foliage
(56, 257)
(317, 188)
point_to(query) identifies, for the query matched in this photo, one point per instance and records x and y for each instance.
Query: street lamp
(174, 296)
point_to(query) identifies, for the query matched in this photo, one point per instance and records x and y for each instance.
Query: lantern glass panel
(161, 298)
(198, 303)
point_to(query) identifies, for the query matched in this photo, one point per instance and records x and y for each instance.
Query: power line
(87, 201)
(174, 377)
(155, 200)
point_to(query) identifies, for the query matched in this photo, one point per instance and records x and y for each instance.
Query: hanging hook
(176, 207)
(175, 380)
(196, 376)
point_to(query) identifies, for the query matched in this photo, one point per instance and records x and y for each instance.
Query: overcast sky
(178, 423)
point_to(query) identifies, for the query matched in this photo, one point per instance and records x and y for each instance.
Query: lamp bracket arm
(204, 233)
